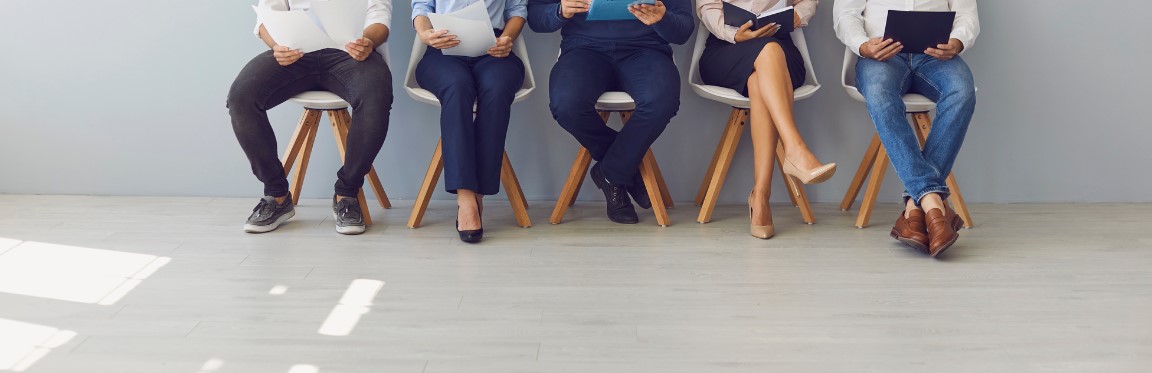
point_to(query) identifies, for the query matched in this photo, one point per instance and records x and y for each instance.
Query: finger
(934, 52)
(883, 44)
(745, 27)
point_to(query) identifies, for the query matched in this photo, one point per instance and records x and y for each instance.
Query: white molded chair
(875, 159)
(436, 166)
(722, 160)
(623, 105)
(299, 149)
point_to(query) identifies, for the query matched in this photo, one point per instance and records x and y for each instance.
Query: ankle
(932, 202)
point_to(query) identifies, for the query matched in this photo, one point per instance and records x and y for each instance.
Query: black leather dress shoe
(620, 209)
(470, 236)
(639, 192)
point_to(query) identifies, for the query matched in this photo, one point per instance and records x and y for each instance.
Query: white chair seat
(320, 100)
(412, 87)
(615, 101)
(730, 96)
(913, 102)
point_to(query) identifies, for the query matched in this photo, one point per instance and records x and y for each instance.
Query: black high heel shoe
(475, 235)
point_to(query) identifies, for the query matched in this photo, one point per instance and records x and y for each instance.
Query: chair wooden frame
(300, 151)
(649, 171)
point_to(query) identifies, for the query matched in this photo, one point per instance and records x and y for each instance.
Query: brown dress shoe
(941, 230)
(912, 231)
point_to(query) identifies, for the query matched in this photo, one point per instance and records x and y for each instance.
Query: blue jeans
(949, 84)
(646, 73)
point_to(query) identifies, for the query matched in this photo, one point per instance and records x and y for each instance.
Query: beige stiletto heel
(814, 176)
(763, 232)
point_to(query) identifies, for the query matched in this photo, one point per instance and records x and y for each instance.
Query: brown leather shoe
(941, 230)
(912, 231)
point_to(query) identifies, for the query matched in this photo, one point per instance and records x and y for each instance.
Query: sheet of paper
(295, 29)
(472, 27)
(342, 20)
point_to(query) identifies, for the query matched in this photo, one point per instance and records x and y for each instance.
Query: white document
(328, 24)
(471, 25)
(342, 20)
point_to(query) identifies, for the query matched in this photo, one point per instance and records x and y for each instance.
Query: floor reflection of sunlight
(211, 365)
(71, 273)
(304, 368)
(278, 290)
(22, 344)
(356, 302)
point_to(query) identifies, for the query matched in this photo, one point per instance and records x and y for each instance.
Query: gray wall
(126, 97)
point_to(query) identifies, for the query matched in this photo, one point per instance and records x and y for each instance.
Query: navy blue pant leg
(578, 79)
(473, 146)
(651, 78)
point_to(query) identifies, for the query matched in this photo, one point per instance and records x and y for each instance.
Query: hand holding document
(328, 24)
(472, 27)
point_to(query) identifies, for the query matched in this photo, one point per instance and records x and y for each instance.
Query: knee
(964, 96)
(456, 90)
(662, 106)
(569, 111)
(769, 54)
(498, 90)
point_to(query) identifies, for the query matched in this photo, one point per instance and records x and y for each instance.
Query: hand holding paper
(472, 28)
(328, 24)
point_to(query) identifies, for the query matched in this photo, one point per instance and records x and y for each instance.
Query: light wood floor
(1044, 288)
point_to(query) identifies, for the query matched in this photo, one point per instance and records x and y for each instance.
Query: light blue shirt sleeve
(515, 8)
(423, 7)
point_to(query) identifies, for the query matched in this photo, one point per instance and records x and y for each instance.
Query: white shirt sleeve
(848, 21)
(280, 5)
(967, 24)
(379, 11)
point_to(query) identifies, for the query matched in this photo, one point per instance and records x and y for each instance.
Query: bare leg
(764, 140)
(776, 95)
(468, 213)
(932, 201)
(909, 207)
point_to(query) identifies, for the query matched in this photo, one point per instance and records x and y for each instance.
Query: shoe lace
(264, 208)
(348, 208)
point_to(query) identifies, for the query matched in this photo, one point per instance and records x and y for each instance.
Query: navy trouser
(263, 84)
(647, 73)
(473, 146)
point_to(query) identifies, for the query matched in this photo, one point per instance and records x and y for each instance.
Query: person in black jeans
(358, 74)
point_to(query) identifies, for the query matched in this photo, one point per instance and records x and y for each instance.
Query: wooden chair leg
(795, 188)
(515, 194)
(879, 168)
(576, 193)
(296, 143)
(662, 185)
(708, 175)
(722, 162)
(342, 144)
(923, 126)
(651, 182)
(431, 177)
(296, 184)
(512, 173)
(861, 173)
(571, 185)
(372, 178)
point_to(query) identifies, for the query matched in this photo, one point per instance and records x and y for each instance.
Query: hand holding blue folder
(614, 10)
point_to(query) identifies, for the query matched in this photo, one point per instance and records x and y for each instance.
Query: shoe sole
(822, 178)
(249, 228)
(946, 247)
(909, 242)
(351, 230)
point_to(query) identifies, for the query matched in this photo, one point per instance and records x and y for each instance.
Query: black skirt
(729, 65)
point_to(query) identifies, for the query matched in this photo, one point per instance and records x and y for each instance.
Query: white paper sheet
(342, 20)
(471, 25)
(294, 29)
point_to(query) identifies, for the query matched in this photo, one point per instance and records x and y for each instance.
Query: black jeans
(263, 84)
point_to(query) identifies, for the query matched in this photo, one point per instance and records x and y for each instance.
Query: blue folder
(613, 10)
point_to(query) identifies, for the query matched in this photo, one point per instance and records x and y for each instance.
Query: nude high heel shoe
(814, 176)
(763, 232)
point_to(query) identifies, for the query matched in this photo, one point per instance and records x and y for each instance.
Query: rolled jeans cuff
(941, 190)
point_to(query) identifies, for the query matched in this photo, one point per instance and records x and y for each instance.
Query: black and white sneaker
(268, 215)
(349, 219)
